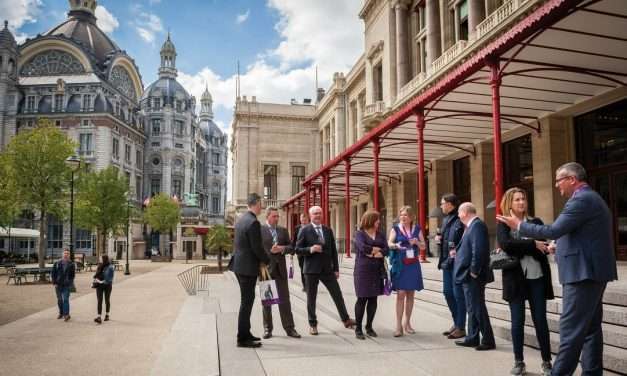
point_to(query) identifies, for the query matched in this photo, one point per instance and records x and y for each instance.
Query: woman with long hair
(405, 240)
(370, 250)
(529, 280)
(103, 282)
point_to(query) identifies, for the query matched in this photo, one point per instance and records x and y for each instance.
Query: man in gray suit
(586, 262)
(276, 243)
(248, 255)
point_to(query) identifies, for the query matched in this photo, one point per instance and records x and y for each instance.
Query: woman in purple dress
(370, 250)
(405, 241)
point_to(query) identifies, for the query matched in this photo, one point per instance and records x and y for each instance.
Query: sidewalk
(158, 330)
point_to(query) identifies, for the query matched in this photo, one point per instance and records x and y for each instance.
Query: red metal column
(325, 198)
(347, 207)
(307, 198)
(375, 153)
(495, 83)
(315, 195)
(422, 213)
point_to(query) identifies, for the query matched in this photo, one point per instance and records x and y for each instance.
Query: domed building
(79, 78)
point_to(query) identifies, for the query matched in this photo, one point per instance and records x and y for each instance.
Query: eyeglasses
(562, 178)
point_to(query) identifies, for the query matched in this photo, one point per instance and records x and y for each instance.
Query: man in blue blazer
(586, 262)
(472, 270)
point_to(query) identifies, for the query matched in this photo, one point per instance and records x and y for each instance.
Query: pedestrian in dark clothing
(63, 272)
(103, 280)
(370, 249)
(304, 221)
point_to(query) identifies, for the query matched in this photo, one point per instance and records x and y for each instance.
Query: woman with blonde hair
(529, 280)
(370, 250)
(405, 240)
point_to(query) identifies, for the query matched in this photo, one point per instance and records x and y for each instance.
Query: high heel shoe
(398, 333)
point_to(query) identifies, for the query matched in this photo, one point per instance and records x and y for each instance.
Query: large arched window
(52, 62)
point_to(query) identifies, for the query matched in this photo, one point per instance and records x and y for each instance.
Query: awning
(19, 232)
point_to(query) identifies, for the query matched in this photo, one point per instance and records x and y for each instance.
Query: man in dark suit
(248, 255)
(317, 244)
(472, 270)
(304, 220)
(276, 243)
(586, 262)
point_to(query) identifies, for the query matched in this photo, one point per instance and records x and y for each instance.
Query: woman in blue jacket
(103, 281)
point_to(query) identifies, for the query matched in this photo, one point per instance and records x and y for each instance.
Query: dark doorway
(602, 150)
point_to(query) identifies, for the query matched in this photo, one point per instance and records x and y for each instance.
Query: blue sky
(279, 43)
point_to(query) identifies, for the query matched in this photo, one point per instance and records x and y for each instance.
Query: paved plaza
(157, 329)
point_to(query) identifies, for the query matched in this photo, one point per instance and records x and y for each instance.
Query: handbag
(387, 283)
(267, 289)
(499, 259)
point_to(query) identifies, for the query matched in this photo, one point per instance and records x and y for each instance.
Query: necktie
(319, 232)
(275, 239)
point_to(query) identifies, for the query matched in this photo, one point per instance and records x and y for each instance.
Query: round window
(178, 162)
(156, 161)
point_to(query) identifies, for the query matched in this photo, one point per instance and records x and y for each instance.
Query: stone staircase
(614, 313)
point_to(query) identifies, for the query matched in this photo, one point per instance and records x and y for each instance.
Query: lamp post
(127, 270)
(74, 163)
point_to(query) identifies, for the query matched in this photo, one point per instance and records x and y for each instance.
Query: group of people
(580, 238)
(62, 276)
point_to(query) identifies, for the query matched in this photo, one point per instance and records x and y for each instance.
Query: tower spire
(168, 59)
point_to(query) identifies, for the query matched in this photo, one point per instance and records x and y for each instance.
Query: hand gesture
(512, 221)
(552, 247)
(378, 255)
(541, 246)
(316, 248)
(276, 249)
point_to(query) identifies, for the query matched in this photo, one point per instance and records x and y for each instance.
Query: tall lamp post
(74, 163)
(127, 270)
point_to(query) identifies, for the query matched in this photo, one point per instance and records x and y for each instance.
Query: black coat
(248, 248)
(452, 231)
(317, 263)
(63, 278)
(514, 279)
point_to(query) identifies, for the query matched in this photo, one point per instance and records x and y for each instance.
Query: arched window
(52, 62)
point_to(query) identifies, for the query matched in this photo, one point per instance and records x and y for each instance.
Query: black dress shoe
(371, 333)
(485, 347)
(249, 344)
(359, 334)
(253, 338)
(267, 334)
(292, 333)
(463, 343)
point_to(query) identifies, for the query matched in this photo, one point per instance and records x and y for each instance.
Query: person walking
(304, 220)
(103, 280)
(317, 244)
(404, 241)
(451, 234)
(276, 243)
(529, 280)
(247, 257)
(585, 264)
(370, 250)
(472, 270)
(63, 272)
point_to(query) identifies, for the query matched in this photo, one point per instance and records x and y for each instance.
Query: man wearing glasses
(586, 262)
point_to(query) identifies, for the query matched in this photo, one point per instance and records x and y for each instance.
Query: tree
(9, 199)
(36, 160)
(219, 240)
(162, 214)
(101, 204)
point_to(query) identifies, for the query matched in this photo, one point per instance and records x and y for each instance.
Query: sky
(278, 43)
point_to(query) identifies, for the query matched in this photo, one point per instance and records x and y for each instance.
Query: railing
(412, 85)
(272, 202)
(449, 55)
(195, 279)
(496, 17)
(377, 107)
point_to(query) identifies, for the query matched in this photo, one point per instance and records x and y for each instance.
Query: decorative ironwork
(121, 80)
(52, 62)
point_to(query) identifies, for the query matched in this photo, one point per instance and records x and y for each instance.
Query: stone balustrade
(448, 56)
(498, 16)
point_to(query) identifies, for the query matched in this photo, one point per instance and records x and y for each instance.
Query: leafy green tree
(36, 160)
(9, 198)
(219, 240)
(101, 204)
(163, 214)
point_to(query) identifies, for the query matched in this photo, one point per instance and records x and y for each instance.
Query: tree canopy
(162, 213)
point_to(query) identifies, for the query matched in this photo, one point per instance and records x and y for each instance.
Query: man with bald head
(472, 270)
(316, 244)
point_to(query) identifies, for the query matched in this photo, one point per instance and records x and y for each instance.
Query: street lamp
(74, 163)
(127, 270)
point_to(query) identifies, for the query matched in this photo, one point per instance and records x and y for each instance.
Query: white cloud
(106, 21)
(148, 25)
(19, 13)
(241, 18)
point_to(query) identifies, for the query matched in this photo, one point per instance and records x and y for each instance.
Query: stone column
(402, 44)
(440, 182)
(325, 155)
(476, 14)
(434, 41)
(481, 184)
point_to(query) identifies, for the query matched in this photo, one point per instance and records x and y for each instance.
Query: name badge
(409, 253)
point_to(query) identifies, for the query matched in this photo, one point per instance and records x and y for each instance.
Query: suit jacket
(514, 278)
(452, 230)
(473, 254)
(583, 230)
(248, 249)
(277, 261)
(317, 263)
(295, 235)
